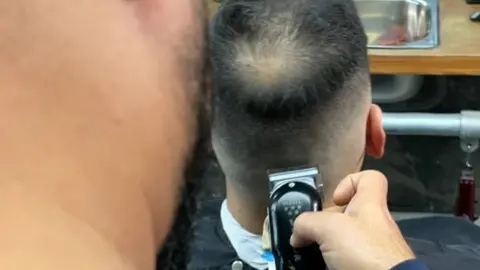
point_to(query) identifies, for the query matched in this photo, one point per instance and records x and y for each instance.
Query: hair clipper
(293, 192)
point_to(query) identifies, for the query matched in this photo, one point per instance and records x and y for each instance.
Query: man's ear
(375, 143)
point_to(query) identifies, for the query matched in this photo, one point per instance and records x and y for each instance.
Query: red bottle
(466, 194)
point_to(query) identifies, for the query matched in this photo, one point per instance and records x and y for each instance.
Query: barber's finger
(334, 209)
(297, 238)
(315, 227)
(364, 186)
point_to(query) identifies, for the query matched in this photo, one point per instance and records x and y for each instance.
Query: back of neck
(248, 209)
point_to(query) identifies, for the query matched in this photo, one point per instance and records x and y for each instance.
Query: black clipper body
(293, 192)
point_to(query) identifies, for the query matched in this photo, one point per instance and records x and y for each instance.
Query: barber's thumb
(367, 185)
(315, 227)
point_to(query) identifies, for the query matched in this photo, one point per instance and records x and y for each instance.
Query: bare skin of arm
(94, 130)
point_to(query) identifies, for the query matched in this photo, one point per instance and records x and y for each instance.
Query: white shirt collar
(247, 245)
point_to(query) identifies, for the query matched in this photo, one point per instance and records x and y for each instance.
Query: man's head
(291, 87)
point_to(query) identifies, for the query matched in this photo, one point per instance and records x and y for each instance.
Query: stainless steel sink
(400, 24)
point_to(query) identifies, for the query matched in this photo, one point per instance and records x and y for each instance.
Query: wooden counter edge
(427, 65)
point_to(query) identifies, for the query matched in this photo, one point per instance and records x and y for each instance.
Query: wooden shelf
(458, 53)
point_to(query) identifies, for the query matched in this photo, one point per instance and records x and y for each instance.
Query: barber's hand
(363, 237)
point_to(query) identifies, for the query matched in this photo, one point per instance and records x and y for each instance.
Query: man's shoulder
(211, 248)
(448, 230)
(443, 242)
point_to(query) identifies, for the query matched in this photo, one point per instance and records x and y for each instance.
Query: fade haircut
(288, 79)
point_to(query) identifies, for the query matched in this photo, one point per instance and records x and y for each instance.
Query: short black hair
(279, 67)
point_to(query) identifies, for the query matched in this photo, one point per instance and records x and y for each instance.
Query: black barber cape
(443, 243)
